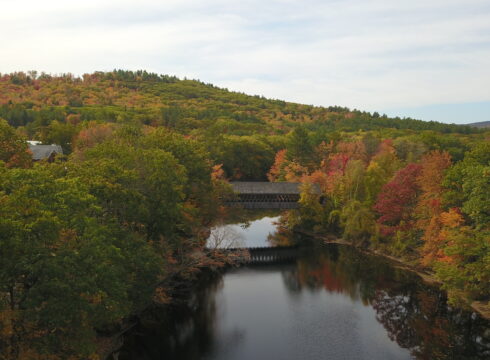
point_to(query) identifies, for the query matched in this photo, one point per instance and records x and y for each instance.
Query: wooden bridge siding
(266, 201)
(271, 255)
(263, 255)
(264, 187)
(264, 205)
(268, 197)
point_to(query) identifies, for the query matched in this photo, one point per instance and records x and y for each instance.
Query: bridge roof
(264, 187)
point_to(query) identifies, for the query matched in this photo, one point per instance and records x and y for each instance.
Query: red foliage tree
(397, 199)
(93, 135)
(337, 164)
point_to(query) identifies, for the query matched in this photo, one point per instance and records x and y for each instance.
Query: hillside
(148, 162)
(481, 124)
(61, 109)
(34, 101)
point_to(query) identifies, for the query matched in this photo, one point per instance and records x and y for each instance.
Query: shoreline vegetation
(178, 285)
(480, 307)
(86, 237)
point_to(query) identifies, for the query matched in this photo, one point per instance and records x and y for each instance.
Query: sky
(428, 59)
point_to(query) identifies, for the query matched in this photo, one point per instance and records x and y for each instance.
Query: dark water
(328, 303)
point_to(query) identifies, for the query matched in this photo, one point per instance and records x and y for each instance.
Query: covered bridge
(267, 195)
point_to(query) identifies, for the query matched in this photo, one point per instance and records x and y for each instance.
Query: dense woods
(91, 238)
(406, 198)
(86, 242)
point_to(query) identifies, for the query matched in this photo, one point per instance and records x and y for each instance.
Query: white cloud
(364, 54)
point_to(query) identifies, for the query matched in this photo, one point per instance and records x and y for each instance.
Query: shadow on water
(319, 304)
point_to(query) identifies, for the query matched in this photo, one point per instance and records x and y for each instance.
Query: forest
(93, 237)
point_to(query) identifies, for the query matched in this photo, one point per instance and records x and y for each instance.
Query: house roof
(40, 152)
(244, 187)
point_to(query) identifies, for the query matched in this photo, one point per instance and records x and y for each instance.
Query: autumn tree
(94, 134)
(277, 171)
(381, 168)
(462, 259)
(397, 200)
(429, 207)
(13, 148)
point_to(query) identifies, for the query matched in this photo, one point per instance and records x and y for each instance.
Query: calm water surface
(247, 234)
(328, 303)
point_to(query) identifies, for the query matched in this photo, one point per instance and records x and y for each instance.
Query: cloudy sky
(428, 59)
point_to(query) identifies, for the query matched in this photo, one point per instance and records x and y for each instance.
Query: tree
(243, 157)
(13, 148)
(432, 173)
(94, 134)
(310, 214)
(371, 144)
(468, 185)
(358, 222)
(60, 134)
(353, 150)
(428, 210)
(380, 170)
(463, 259)
(407, 150)
(153, 179)
(277, 172)
(189, 153)
(225, 237)
(397, 199)
(354, 180)
(299, 146)
(476, 189)
(53, 232)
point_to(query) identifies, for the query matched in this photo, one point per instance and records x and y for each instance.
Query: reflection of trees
(225, 237)
(245, 217)
(281, 237)
(339, 270)
(421, 321)
(416, 316)
(186, 331)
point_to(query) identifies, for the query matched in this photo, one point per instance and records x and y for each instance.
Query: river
(329, 302)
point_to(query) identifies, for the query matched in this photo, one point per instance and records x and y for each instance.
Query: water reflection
(246, 234)
(330, 302)
(414, 315)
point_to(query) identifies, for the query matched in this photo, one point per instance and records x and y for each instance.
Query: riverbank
(480, 307)
(179, 283)
(170, 291)
(316, 298)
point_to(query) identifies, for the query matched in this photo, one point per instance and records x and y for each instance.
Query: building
(44, 152)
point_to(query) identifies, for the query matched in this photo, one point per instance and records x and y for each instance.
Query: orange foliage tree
(429, 207)
(93, 135)
(277, 170)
